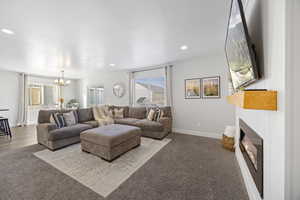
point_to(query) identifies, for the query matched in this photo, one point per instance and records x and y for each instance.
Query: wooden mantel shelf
(258, 100)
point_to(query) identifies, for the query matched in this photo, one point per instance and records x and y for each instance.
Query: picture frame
(211, 87)
(192, 88)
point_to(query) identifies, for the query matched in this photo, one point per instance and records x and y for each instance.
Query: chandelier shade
(61, 81)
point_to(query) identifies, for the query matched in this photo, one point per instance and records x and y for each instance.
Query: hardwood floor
(21, 137)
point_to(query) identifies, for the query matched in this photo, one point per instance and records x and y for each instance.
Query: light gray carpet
(99, 175)
(188, 168)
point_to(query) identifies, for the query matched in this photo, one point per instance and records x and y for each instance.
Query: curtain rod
(151, 68)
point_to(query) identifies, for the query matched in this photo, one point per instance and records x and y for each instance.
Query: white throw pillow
(69, 118)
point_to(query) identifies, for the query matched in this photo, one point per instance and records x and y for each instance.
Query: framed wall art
(192, 88)
(211, 87)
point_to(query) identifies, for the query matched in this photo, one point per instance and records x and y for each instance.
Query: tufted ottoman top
(110, 135)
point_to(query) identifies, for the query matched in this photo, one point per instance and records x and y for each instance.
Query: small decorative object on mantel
(119, 90)
(228, 138)
(192, 88)
(211, 87)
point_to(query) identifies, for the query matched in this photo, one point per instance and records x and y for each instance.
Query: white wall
(9, 87)
(106, 79)
(266, 24)
(293, 99)
(201, 116)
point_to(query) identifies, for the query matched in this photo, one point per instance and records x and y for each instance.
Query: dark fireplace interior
(251, 145)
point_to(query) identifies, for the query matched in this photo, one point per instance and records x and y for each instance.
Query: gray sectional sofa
(54, 138)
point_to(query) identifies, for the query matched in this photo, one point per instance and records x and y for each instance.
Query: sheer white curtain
(131, 89)
(169, 96)
(23, 100)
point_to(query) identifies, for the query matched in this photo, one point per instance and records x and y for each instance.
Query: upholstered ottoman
(109, 142)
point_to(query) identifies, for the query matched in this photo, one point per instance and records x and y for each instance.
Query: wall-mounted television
(239, 49)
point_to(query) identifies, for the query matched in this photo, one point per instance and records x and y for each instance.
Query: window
(43, 95)
(149, 87)
(95, 96)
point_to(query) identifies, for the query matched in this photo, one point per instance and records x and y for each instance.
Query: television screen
(238, 48)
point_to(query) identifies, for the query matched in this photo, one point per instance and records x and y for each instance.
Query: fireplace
(251, 145)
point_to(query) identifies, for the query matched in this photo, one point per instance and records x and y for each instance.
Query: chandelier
(61, 81)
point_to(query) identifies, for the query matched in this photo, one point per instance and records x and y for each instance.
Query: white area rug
(93, 172)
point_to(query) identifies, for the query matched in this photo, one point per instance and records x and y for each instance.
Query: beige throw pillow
(119, 113)
(151, 115)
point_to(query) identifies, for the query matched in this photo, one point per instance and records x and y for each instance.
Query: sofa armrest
(167, 123)
(43, 130)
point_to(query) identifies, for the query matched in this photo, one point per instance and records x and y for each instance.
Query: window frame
(134, 83)
(95, 103)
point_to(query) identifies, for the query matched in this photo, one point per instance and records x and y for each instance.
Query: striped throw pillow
(159, 114)
(59, 120)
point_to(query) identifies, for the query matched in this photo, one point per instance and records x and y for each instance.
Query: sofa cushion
(126, 121)
(85, 114)
(44, 116)
(148, 125)
(167, 110)
(93, 123)
(137, 112)
(67, 132)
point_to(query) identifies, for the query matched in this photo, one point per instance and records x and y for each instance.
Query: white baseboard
(248, 180)
(198, 133)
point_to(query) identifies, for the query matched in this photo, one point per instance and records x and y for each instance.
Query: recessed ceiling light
(112, 64)
(184, 47)
(7, 31)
